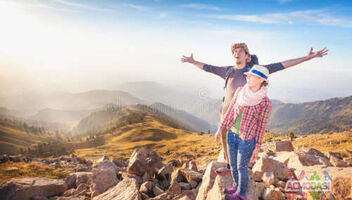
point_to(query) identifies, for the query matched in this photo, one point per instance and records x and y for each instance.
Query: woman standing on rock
(245, 119)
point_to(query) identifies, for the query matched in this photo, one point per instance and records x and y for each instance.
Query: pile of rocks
(270, 173)
(16, 158)
(72, 162)
(76, 163)
(145, 176)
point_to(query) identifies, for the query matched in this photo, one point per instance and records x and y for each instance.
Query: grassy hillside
(16, 136)
(191, 122)
(335, 142)
(169, 142)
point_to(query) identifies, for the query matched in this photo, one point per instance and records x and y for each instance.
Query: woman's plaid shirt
(253, 121)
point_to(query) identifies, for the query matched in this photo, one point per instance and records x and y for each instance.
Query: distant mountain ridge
(88, 100)
(112, 117)
(326, 116)
(61, 116)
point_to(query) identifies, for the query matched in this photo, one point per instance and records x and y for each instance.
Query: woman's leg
(232, 148)
(245, 150)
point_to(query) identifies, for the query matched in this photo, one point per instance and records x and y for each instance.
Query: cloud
(80, 5)
(200, 6)
(321, 17)
(163, 15)
(137, 7)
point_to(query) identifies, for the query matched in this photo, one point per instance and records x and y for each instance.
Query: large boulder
(146, 187)
(284, 146)
(317, 153)
(302, 159)
(165, 172)
(191, 175)
(268, 165)
(84, 177)
(144, 160)
(23, 188)
(104, 176)
(73, 179)
(338, 162)
(208, 179)
(212, 186)
(175, 187)
(272, 193)
(127, 189)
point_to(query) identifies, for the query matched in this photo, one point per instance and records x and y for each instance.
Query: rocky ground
(145, 176)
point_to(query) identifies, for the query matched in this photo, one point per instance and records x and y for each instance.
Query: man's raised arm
(310, 55)
(220, 71)
(192, 61)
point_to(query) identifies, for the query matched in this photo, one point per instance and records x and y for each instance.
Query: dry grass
(30, 169)
(170, 143)
(336, 142)
(12, 139)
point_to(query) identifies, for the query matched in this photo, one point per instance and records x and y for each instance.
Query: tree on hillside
(291, 135)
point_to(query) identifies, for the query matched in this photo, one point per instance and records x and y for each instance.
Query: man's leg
(224, 146)
(225, 170)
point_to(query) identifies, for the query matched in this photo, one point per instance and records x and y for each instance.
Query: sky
(75, 45)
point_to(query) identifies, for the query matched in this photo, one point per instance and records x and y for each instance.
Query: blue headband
(259, 73)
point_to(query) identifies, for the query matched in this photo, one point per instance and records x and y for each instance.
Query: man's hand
(188, 59)
(310, 55)
(255, 155)
(218, 135)
(319, 54)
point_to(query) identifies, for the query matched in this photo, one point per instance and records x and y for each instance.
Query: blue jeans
(240, 153)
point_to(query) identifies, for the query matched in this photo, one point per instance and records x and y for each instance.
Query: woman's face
(254, 81)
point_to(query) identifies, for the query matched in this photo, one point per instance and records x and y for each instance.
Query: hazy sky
(75, 45)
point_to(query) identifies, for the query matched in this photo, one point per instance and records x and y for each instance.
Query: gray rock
(23, 188)
(127, 189)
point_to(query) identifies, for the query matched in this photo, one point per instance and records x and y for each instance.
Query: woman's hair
(264, 83)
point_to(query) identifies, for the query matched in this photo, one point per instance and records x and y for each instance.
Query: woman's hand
(255, 155)
(218, 135)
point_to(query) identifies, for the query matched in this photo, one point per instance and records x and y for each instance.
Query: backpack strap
(229, 71)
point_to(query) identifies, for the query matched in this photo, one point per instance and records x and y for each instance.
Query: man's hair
(244, 47)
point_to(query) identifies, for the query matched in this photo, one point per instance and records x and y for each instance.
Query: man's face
(253, 81)
(240, 55)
